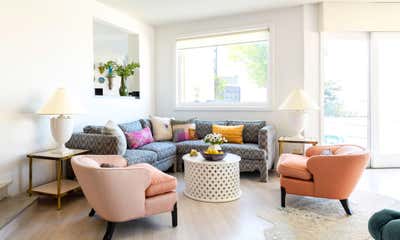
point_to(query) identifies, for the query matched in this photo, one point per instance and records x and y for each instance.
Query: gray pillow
(92, 129)
(111, 128)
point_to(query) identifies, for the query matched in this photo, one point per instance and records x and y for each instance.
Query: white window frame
(264, 106)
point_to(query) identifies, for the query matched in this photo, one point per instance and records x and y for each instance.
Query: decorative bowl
(213, 157)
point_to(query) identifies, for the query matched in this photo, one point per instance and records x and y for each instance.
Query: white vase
(215, 147)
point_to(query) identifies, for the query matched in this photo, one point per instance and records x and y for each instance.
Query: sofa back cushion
(250, 129)
(92, 129)
(204, 127)
(146, 123)
(131, 126)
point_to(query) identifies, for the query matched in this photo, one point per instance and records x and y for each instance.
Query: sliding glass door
(385, 96)
(361, 92)
(345, 89)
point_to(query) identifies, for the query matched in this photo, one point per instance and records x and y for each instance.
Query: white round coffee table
(212, 181)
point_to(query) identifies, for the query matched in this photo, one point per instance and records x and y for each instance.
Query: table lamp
(62, 105)
(299, 102)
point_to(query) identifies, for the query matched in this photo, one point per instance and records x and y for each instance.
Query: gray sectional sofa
(258, 152)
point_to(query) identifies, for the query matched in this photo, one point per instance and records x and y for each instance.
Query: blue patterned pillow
(204, 127)
(131, 126)
(250, 130)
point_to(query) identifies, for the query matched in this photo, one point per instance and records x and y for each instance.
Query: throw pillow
(111, 128)
(234, 134)
(106, 165)
(183, 130)
(139, 138)
(326, 152)
(162, 129)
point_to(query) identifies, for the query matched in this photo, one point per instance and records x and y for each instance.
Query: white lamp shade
(61, 103)
(298, 100)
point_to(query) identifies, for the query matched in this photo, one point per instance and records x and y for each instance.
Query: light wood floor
(197, 220)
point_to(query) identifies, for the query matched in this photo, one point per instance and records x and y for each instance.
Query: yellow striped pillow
(234, 134)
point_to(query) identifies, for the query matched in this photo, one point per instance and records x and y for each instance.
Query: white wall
(46, 44)
(288, 36)
(360, 16)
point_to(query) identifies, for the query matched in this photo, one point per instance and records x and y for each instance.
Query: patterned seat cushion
(248, 151)
(134, 156)
(162, 149)
(205, 127)
(131, 126)
(185, 146)
(250, 130)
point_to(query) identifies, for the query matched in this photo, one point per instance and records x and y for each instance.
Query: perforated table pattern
(211, 181)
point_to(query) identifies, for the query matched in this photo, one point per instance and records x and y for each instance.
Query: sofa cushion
(250, 130)
(205, 127)
(294, 166)
(111, 128)
(92, 129)
(131, 126)
(146, 123)
(163, 149)
(134, 156)
(160, 182)
(248, 151)
(185, 146)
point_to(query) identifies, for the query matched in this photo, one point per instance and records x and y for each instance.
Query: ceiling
(159, 12)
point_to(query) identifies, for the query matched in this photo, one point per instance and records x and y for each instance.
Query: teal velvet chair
(385, 225)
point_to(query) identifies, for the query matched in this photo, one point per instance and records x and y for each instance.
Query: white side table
(212, 181)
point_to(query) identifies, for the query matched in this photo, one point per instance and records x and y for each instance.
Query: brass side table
(60, 187)
(283, 140)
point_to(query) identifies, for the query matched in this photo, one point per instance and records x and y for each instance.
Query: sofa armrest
(267, 141)
(96, 143)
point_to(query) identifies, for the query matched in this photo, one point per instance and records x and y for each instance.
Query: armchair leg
(174, 215)
(283, 197)
(345, 205)
(110, 230)
(92, 212)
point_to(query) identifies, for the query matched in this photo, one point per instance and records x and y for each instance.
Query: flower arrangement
(214, 139)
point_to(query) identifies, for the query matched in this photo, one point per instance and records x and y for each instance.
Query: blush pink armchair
(118, 194)
(325, 172)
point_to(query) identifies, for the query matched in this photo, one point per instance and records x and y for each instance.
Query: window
(227, 69)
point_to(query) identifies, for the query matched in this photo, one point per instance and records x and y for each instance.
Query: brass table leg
(30, 177)
(59, 175)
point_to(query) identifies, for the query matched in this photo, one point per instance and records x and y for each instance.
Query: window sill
(224, 108)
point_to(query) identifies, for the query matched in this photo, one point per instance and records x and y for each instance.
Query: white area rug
(306, 218)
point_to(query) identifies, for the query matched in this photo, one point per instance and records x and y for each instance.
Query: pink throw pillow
(139, 138)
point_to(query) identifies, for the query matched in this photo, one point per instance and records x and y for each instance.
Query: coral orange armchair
(325, 171)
